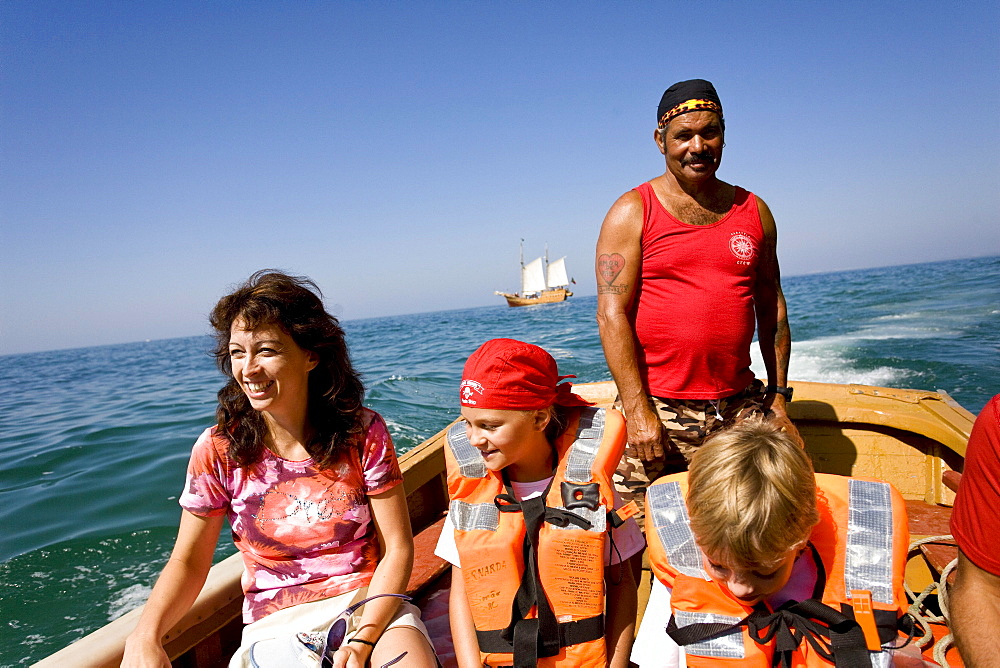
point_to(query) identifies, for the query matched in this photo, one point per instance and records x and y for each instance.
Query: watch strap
(783, 391)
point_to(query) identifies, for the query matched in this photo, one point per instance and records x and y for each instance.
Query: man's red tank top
(693, 313)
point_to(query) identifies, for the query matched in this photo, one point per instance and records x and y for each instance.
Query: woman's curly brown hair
(336, 392)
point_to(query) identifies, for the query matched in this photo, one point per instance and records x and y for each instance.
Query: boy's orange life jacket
(858, 604)
(534, 570)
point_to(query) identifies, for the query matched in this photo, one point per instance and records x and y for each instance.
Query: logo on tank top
(742, 246)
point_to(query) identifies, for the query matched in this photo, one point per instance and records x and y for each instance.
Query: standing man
(686, 269)
(975, 596)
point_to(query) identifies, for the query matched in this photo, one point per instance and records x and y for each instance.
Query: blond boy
(759, 559)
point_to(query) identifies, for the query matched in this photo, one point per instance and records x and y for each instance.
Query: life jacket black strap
(532, 639)
(569, 633)
(506, 503)
(888, 624)
(832, 635)
(535, 638)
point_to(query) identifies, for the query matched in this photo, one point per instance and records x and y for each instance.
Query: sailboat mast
(520, 250)
(547, 265)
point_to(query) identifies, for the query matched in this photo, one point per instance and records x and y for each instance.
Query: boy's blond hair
(751, 495)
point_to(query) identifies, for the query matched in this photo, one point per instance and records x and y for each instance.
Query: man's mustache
(700, 157)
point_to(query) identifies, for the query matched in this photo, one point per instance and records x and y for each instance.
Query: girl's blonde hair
(751, 495)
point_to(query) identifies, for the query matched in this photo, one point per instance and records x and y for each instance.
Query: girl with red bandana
(538, 577)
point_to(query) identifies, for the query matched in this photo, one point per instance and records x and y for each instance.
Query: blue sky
(155, 153)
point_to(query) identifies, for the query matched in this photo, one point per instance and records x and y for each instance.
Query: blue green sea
(94, 441)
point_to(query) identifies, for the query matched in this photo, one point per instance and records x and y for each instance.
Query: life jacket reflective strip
(495, 547)
(860, 543)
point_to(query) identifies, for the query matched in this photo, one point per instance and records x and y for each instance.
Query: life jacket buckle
(586, 495)
(861, 603)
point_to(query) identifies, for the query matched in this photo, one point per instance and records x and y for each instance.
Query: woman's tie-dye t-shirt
(305, 534)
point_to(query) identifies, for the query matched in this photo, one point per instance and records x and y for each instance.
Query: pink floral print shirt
(305, 534)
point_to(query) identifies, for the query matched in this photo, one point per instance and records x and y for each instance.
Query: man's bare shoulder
(625, 214)
(766, 217)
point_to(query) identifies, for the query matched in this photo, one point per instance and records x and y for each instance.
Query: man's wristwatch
(786, 392)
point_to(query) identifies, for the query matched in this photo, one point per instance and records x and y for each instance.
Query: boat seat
(427, 566)
(939, 555)
(951, 479)
(928, 520)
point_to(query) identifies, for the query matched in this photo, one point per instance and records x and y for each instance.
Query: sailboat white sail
(557, 273)
(542, 282)
(532, 277)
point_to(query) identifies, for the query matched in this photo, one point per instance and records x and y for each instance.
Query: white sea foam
(560, 353)
(128, 599)
(824, 360)
(882, 332)
(400, 428)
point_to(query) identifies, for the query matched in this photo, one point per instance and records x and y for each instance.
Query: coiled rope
(918, 610)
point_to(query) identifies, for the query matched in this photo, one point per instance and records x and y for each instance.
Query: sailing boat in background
(540, 285)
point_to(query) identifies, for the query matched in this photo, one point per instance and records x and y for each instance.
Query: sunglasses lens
(336, 635)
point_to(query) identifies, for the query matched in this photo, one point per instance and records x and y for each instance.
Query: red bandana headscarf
(505, 374)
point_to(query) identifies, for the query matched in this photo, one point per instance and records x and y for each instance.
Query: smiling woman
(309, 482)
(273, 371)
(283, 311)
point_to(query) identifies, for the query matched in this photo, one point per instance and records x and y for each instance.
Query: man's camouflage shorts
(686, 425)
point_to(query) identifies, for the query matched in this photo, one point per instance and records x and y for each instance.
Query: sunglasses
(335, 636)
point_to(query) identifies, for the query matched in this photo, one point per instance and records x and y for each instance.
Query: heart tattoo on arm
(609, 266)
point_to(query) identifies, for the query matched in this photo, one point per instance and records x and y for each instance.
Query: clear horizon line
(484, 306)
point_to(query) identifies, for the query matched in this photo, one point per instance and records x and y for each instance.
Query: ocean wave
(827, 361)
(394, 378)
(128, 599)
(397, 427)
(884, 333)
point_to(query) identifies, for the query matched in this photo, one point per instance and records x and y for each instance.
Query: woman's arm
(392, 522)
(463, 629)
(621, 603)
(176, 589)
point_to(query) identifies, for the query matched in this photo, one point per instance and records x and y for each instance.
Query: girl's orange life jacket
(534, 570)
(858, 604)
